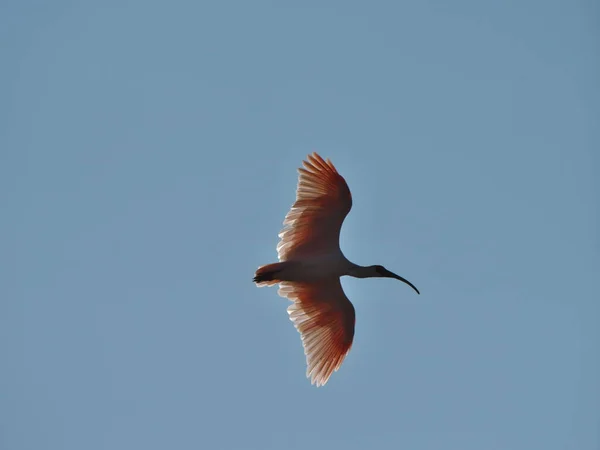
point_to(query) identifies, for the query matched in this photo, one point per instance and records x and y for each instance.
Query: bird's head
(380, 271)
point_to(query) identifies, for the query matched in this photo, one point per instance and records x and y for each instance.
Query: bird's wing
(325, 319)
(312, 226)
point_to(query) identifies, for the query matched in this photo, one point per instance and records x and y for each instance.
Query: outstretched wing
(325, 319)
(323, 200)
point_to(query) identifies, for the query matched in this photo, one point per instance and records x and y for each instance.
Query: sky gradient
(148, 155)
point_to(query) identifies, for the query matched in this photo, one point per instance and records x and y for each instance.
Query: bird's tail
(267, 275)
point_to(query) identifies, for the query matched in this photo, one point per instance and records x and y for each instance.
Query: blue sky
(148, 156)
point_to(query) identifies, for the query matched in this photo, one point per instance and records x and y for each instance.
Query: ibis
(311, 264)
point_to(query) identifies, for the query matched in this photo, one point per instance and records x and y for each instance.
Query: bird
(311, 264)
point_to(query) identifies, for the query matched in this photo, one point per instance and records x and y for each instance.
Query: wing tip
(318, 163)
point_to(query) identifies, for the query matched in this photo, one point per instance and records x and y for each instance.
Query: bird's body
(313, 269)
(311, 264)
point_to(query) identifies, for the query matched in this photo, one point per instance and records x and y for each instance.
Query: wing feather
(325, 319)
(313, 224)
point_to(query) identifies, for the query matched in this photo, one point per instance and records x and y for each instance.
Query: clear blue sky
(148, 156)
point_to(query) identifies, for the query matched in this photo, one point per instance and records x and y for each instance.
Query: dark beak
(398, 277)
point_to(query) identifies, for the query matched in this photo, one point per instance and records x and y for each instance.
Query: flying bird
(311, 264)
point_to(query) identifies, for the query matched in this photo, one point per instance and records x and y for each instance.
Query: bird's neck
(357, 271)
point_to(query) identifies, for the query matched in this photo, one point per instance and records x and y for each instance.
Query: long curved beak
(398, 277)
